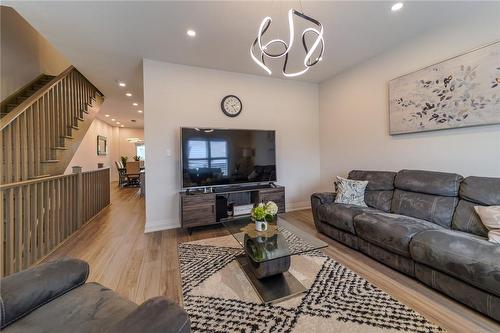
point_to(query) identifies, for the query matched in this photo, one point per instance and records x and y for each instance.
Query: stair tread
(66, 137)
(59, 148)
(50, 161)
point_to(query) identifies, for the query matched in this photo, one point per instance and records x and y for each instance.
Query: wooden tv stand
(199, 208)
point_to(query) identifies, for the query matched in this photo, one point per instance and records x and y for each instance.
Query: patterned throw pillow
(490, 217)
(351, 192)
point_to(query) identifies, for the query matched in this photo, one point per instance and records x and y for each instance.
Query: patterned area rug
(219, 298)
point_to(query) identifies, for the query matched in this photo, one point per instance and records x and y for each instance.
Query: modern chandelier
(260, 50)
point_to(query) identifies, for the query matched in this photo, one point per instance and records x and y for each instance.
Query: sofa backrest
(427, 195)
(475, 191)
(380, 188)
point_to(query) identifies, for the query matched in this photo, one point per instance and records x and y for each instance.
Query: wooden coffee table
(267, 256)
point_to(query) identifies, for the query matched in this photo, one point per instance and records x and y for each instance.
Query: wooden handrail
(37, 135)
(32, 99)
(39, 215)
(8, 118)
(42, 179)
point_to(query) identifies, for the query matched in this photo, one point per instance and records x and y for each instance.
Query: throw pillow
(490, 217)
(351, 192)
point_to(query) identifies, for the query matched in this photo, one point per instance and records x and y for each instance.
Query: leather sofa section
(389, 231)
(432, 208)
(379, 200)
(380, 188)
(481, 190)
(429, 182)
(461, 291)
(341, 215)
(89, 308)
(469, 258)
(343, 237)
(27, 290)
(389, 258)
(319, 199)
(377, 180)
(466, 219)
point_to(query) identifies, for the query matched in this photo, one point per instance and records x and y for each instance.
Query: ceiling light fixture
(140, 111)
(113, 119)
(118, 123)
(397, 6)
(106, 115)
(128, 94)
(122, 84)
(191, 33)
(135, 104)
(262, 48)
(122, 126)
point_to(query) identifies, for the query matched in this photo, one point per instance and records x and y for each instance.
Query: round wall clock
(231, 106)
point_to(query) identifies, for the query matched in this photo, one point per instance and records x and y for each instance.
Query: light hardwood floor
(139, 266)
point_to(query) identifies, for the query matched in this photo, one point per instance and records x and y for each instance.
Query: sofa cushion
(377, 180)
(351, 191)
(341, 215)
(466, 219)
(433, 208)
(429, 182)
(390, 231)
(380, 187)
(467, 257)
(89, 308)
(481, 190)
(475, 191)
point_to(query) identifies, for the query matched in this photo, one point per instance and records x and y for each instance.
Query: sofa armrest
(156, 315)
(324, 197)
(317, 200)
(26, 291)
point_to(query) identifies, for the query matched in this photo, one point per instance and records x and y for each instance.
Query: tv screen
(212, 157)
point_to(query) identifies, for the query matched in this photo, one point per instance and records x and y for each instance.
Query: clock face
(231, 106)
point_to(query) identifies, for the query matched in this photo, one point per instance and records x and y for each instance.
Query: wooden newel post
(79, 195)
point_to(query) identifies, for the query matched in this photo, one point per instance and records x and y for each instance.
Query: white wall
(125, 147)
(176, 95)
(86, 154)
(25, 53)
(354, 116)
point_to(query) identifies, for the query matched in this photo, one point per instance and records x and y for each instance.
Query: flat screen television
(221, 157)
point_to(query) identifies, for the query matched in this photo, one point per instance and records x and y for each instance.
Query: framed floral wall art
(458, 92)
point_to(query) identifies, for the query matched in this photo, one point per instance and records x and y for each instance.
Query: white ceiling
(107, 40)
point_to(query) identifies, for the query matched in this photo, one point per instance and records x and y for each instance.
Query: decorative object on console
(231, 106)
(459, 92)
(351, 192)
(263, 49)
(264, 213)
(102, 145)
(490, 217)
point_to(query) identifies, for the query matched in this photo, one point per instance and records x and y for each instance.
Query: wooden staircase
(13, 101)
(44, 123)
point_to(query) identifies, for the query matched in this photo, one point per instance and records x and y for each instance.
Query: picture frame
(102, 145)
(461, 91)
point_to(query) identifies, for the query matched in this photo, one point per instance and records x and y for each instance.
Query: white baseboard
(159, 225)
(291, 206)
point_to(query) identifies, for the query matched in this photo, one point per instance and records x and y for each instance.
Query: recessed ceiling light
(140, 111)
(135, 104)
(128, 94)
(113, 119)
(397, 6)
(122, 126)
(106, 115)
(121, 84)
(191, 33)
(118, 122)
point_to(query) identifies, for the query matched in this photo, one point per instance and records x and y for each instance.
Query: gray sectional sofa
(423, 224)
